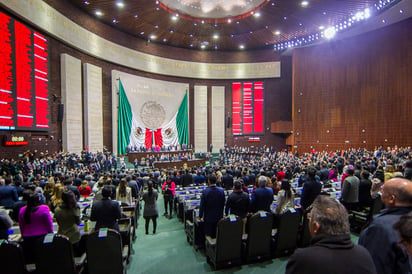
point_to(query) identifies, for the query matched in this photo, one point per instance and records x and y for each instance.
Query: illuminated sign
(15, 141)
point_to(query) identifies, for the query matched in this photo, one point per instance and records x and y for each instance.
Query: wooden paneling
(354, 92)
(277, 91)
(281, 127)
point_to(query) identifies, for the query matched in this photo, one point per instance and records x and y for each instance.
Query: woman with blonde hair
(56, 198)
(124, 192)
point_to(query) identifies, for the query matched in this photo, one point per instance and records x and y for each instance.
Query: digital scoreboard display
(247, 108)
(24, 76)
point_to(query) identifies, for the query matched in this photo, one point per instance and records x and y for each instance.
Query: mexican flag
(148, 123)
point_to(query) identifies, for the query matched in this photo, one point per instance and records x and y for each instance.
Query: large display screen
(24, 76)
(247, 108)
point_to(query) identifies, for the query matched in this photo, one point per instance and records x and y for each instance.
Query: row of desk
(188, 203)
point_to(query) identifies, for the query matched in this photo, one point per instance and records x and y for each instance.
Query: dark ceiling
(278, 21)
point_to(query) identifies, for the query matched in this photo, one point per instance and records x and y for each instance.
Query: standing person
(238, 203)
(212, 203)
(286, 198)
(311, 188)
(67, 216)
(124, 193)
(8, 193)
(35, 221)
(332, 250)
(350, 190)
(380, 238)
(106, 212)
(404, 228)
(150, 211)
(262, 197)
(168, 190)
(5, 224)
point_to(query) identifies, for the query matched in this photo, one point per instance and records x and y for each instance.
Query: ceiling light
(215, 36)
(120, 4)
(174, 18)
(115, 21)
(242, 46)
(304, 3)
(136, 15)
(142, 32)
(98, 13)
(164, 39)
(321, 27)
(229, 20)
(257, 14)
(152, 36)
(202, 46)
(277, 32)
(203, 21)
(330, 33)
(86, 2)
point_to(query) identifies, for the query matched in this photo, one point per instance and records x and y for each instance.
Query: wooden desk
(139, 155)
(180, 164)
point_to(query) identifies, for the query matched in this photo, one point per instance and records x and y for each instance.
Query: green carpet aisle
(168, 252)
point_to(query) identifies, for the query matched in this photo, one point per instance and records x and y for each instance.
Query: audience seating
(105, 254)
(304, 233)
(56, 256)
(226, 248)
(359, 219)
(285, 239)
(132, 210)
(12, 259)
(257, 245)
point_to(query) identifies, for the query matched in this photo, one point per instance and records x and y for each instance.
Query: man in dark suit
(186, 179)
(380, 238)
(8, 193)
(212, 203)
(262, 197)
(68, 183)
(227, 180)
(106, 212)
(311, 188)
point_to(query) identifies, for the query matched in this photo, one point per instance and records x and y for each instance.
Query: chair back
(55, 255)
(305, 236)
(286, 236)
(229, 239)
(259, 235)
(11, 258)
(104, 252)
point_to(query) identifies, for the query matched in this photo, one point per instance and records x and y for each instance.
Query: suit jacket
(238, 204)
(262, 198)
(8, 195)
(227, 181)
(212, 203)
(381, 240)
(331, 254)
(75, 190)
(350, 190)
(311, 189)
(186, 180)
(106, 213)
